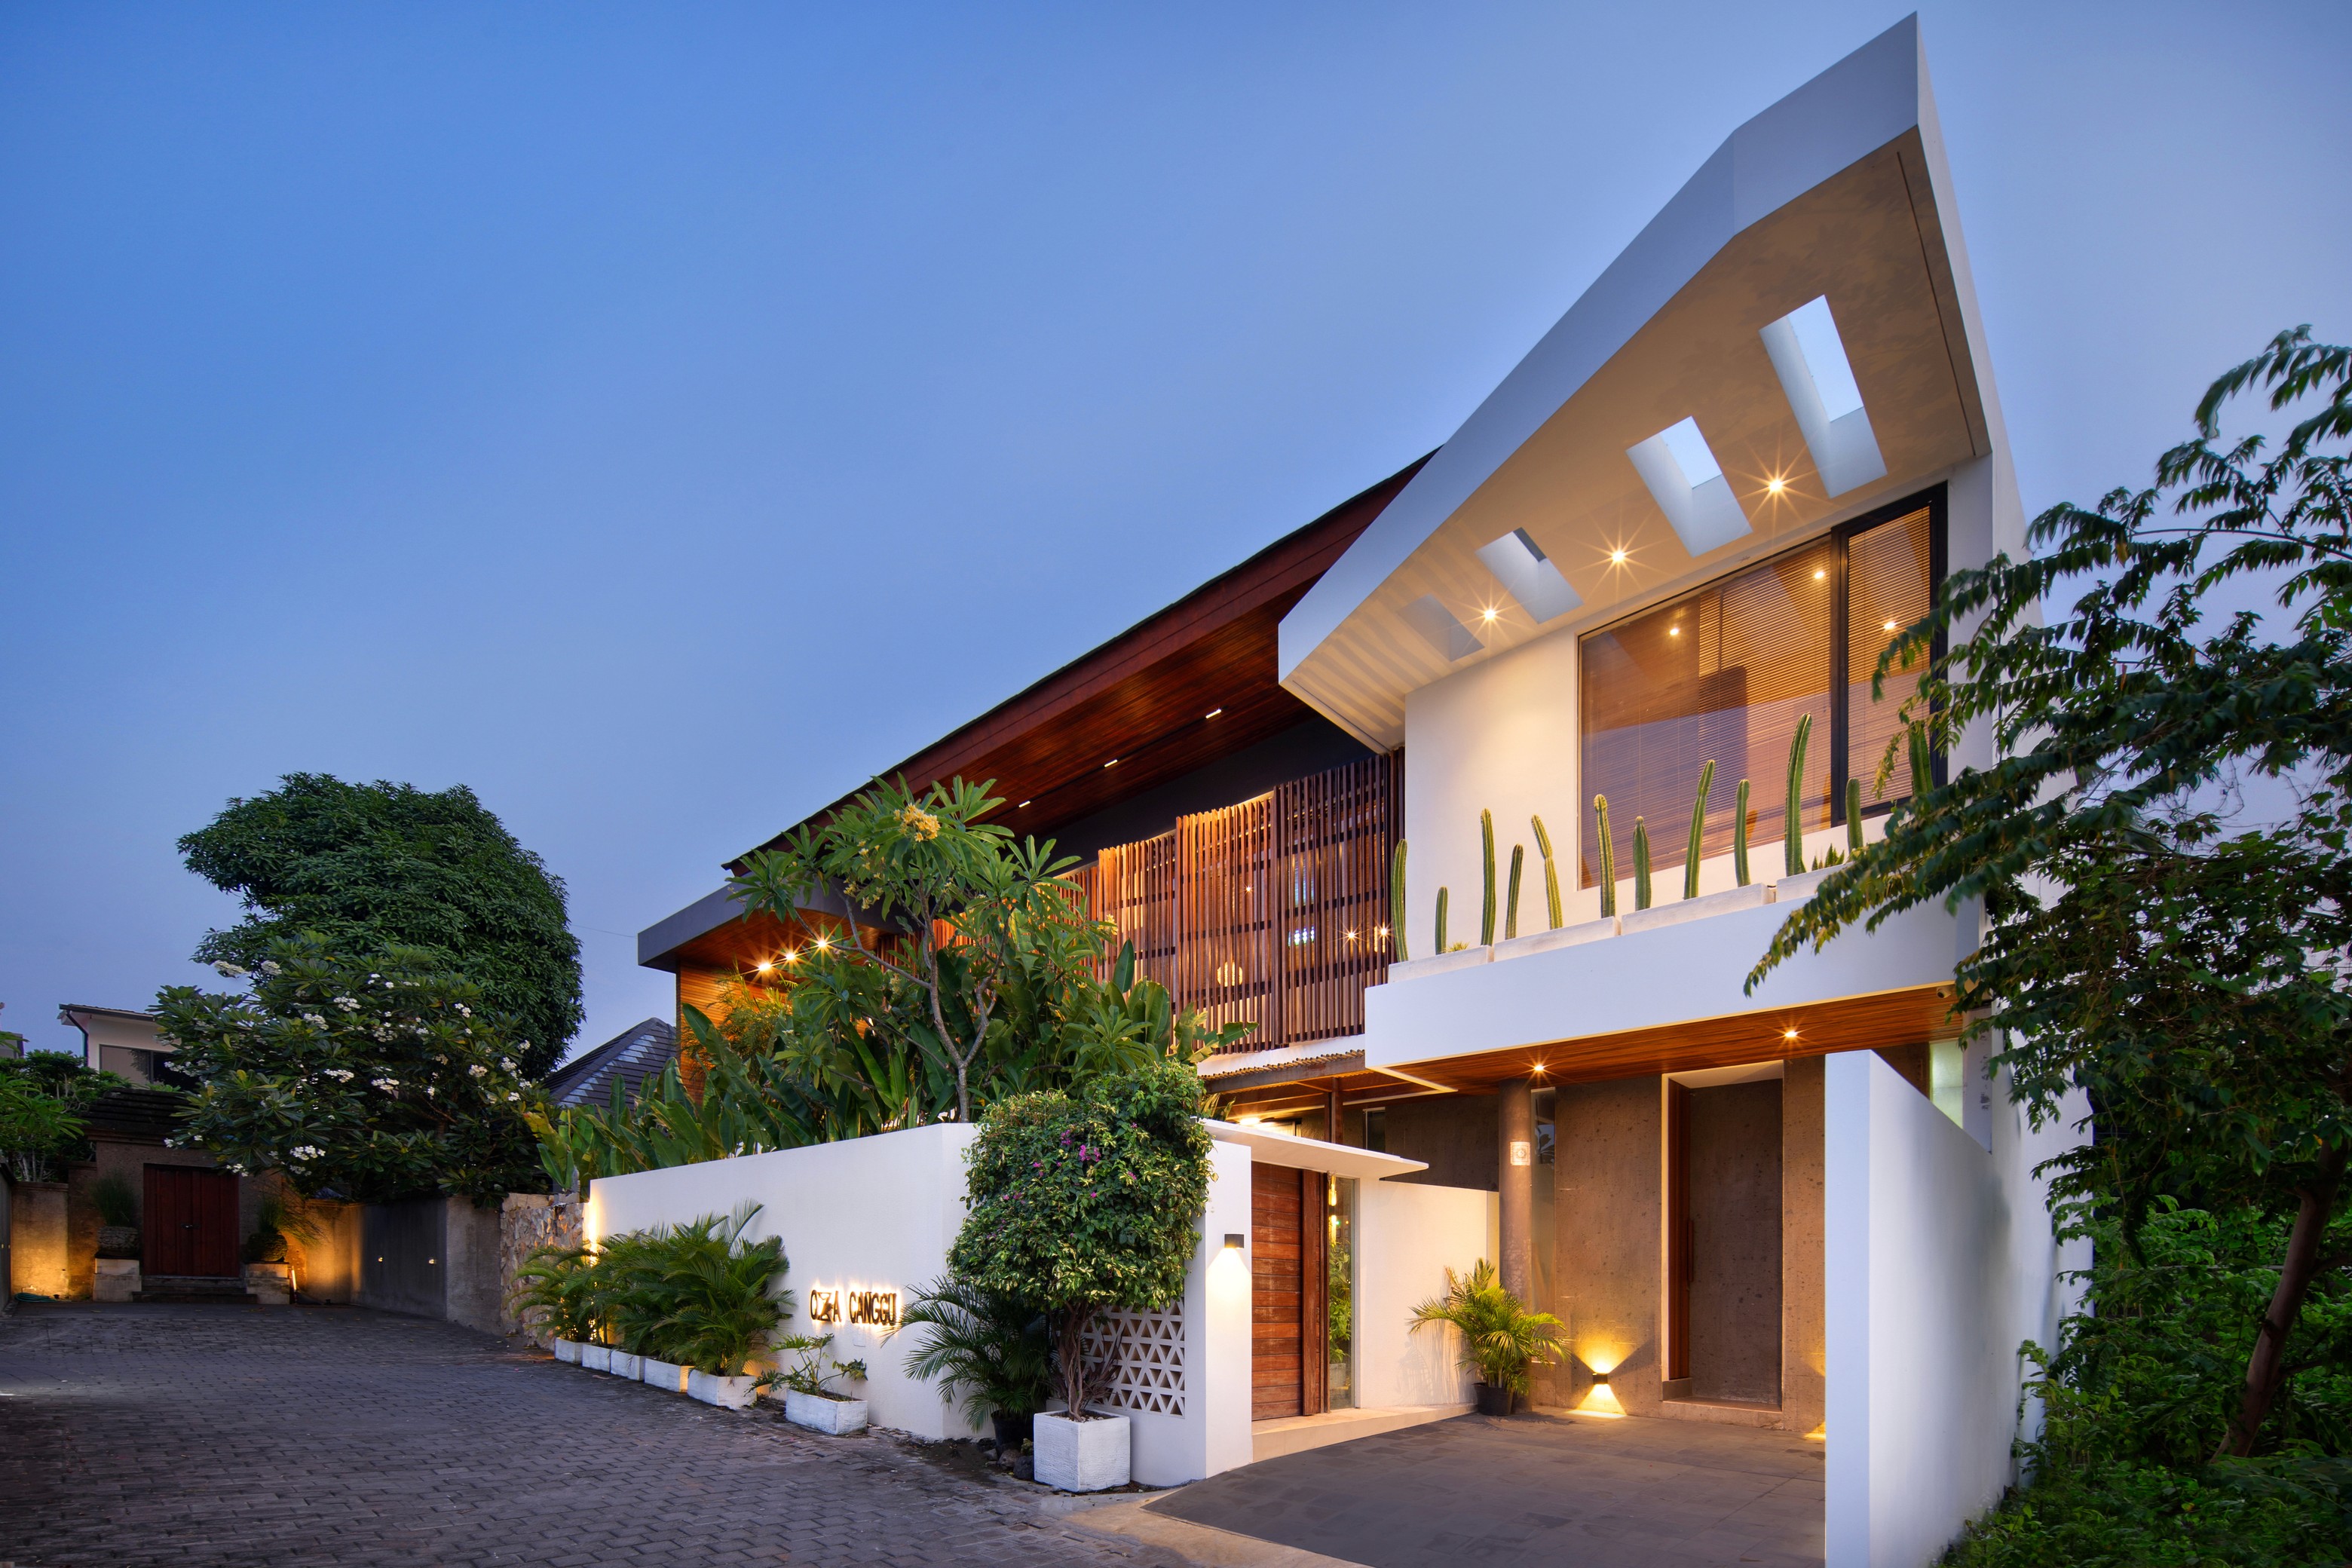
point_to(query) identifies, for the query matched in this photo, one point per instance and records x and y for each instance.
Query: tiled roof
(629, 1057)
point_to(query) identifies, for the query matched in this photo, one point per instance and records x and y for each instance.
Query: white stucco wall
(1939, 1264)
(865, 1213)
(1407, 1234)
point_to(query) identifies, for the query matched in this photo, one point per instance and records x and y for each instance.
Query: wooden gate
(1289, 1361)
(190, 1222)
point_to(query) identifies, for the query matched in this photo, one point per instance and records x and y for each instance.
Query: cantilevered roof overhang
(1840, 190)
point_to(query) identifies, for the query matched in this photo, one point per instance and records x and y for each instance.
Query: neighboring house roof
(628, 1058)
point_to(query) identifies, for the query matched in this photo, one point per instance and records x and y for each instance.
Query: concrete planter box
(597, 1358)
(820, 1413)
(1421, 968)
(1088, 1456)
(118, 1279)
(1797, 890)
(272, 1284)
(1566, 936)
(1753, 896)
(726, 1393)
(625, 1365)
(567, 1351)
(666, 1376)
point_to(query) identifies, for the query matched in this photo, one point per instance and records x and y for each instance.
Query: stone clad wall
(527, 1222)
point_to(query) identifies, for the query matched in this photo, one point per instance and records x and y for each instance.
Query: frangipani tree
(369, 1079)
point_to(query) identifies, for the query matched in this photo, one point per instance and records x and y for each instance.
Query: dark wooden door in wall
(1730, 1192)
(1287, 1370)
(189, 1223)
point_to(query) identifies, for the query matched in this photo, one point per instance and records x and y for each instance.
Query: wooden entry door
(1288, 1366)
(190, 1222)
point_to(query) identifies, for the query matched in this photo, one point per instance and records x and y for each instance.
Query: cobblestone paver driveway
(260, 1437)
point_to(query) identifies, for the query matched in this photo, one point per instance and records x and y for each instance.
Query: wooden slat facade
(1273, 911)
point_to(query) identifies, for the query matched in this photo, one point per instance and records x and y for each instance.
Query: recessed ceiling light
(1617, 557)
(1023, 806)
(1775, 485)
(1212, 712)
(1890, 626)
(1787, 1034)
(1818, 575)
(1673, 631)
(1112, 764)
(1487, 615)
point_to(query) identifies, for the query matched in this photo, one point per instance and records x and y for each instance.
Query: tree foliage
(369, 1078)
(369, 868)
(43, 1097)
(1086, 1203)
(2188, 972)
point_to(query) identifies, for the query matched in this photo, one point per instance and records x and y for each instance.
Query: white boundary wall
(1939, 1262)
(880, 1213)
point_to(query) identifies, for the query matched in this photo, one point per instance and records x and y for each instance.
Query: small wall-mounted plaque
(1522, 1152)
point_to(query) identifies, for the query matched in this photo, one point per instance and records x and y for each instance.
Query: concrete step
(186, 1288)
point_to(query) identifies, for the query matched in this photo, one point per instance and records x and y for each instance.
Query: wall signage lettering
(877, 1307)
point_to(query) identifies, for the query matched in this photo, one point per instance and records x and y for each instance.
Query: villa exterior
(1686, 525)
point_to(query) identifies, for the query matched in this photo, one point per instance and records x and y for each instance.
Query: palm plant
(710, 1296)
(558, 1284)
(989, 1350)
(1502, 1341)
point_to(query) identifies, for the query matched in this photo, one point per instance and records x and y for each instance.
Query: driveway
(286, 1436)
(1575, 1491)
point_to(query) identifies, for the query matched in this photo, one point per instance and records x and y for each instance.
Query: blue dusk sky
(660, 418)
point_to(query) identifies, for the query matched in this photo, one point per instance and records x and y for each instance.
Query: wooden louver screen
(1269, 912)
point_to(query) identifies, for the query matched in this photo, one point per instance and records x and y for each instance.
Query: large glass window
(1727, 673)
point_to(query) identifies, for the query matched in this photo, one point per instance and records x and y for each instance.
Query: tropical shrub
(988, 1350)
(42, 1099)
(556, 1290)
(368, 1078)
(1501, 1340)
(697, 1293)
(810, 1375)
(1087, 1202)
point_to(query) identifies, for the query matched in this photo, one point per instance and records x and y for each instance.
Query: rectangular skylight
(1689, 486)
(1809, 358)
(1530, 576)
(1435, 622)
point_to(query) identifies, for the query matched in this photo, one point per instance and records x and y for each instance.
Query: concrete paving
(1570, 1491)
(292, 1436)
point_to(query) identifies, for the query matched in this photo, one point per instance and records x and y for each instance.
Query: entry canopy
(1792, 340)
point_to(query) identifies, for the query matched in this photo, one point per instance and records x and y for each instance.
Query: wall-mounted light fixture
(1600, 1380)
(1234, 1240)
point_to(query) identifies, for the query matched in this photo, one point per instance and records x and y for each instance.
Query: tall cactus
(1793, 825)
(1852, 818)
(1441, 920)
(1396, 901)
(1608, 858)
(1486, 855)
(1511, 902)
(1923, 762)
(1552, 872)
(1739, 836)
(1640, 863)
(1698, 830)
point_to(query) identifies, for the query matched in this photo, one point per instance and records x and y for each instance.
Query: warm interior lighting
(1487, 615)
(792, 955)
(1673, 631)
(1617, 556)
(1889, 626)
(824, 944)
(1212, 712)
(1351, 936)
(1380, 931)
(1775, 485)
(766, 965)
(1819, 575)
(1787, 1034)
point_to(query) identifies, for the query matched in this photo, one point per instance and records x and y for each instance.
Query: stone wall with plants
(530, 1224)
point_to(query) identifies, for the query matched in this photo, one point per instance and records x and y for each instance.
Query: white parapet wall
(1940, 1263)
(862, 1215)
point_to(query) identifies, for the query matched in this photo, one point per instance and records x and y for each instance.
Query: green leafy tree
(43, 1097)
(1087, 1202)
(367, 1078)
(2186, 973)
(369, 867)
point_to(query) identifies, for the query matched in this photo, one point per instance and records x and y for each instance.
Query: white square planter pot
(819, 1413)
(271, 1284)
(1086, 1455)
(629, 1366)
(118, 1279)
(727, 1393)
(597, 1358)
(666, 1376)
(566, 1350)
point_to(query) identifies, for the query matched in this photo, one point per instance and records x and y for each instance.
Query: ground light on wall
(1601, 1399)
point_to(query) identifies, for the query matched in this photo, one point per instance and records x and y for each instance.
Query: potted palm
(807, 1401)
(1086, 1205)
(986, 1350)
(1501, 1340)
(118, 1240)
(555, 1294)
(719, 1304)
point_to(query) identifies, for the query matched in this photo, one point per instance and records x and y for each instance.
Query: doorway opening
(1723, 1236)
(190, 1229)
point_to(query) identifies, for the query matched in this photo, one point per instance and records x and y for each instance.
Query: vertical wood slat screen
(1269, 911)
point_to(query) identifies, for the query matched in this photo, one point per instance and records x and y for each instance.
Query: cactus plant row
(1699, 829)
(1793, 825)
(1511, 900)
(1740, 836)
(1608, 858)
(1552, 872)
(1396, 901)
(1640, 863)
(1487, 859)
(1441, 946)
